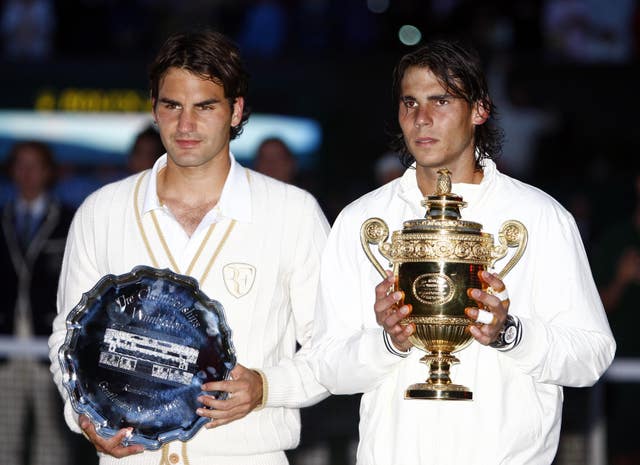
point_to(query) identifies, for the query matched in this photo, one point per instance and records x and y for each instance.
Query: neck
(30, 198)
(192, 185)
(427, 176)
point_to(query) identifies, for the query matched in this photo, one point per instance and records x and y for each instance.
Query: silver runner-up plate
(138, 348)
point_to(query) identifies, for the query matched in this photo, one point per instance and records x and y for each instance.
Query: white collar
(36, 207)
(235, 199)
(409, 184)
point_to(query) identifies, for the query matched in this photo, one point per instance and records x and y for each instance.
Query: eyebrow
(168, 100)
(440, 97)
(430, 97)
(197, 104)
(207, 102)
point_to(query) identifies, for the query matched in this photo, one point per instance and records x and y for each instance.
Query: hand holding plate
(244, 394)
(114, 445)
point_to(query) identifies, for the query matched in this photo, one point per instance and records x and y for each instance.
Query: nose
(186, 121)
(423, 117)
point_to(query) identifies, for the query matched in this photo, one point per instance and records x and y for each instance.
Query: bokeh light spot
(409, 35)
(378, 6)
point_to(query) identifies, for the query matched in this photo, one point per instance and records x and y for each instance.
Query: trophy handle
(512, 234)
(375, 231)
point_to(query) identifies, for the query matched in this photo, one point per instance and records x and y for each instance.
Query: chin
(426, 161)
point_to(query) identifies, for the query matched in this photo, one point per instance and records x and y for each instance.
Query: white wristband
(391, 348)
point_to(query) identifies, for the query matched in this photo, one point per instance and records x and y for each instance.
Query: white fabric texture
(280, 231)
(514, 417)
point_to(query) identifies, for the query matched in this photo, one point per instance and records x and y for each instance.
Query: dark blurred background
(564, 76)
(563, 72)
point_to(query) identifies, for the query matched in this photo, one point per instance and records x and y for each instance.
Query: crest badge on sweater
(238, 278)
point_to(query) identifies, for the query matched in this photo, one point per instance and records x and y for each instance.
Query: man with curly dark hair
(549, 330)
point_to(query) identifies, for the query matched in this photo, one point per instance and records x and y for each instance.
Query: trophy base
(438, 392)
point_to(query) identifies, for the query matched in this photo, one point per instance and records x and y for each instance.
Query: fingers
(243, 394)
(386, 304)
(221, 412)
(385, 299)
(485, 317)
(494, 296)
(113, 445)
(483, 333)
(389, 313)
(493, 308)
(399, 332)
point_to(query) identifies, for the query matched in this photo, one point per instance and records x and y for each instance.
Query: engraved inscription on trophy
(142, 355)
(434, 288)
(147, 357)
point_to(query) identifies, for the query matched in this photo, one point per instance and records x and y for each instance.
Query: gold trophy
(435, 260)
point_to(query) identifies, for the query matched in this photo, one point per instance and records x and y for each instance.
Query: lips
(187, 143)
(425, 140)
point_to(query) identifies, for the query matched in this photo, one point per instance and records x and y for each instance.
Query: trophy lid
(443, 211)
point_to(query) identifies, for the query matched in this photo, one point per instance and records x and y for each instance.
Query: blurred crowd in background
(563, 75)
(584, 31)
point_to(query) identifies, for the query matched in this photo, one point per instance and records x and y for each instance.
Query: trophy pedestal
(439, 385)
(438, 392)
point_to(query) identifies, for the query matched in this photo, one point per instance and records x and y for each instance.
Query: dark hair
(149, 132)
(459, 70)
(275, 140)
(209, 55)
(43, 150)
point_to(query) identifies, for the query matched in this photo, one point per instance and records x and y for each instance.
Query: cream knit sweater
(283, 240)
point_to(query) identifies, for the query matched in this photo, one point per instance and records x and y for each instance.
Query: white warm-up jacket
(514, 417)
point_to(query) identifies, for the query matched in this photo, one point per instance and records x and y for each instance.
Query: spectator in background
(32, 238)
(78, 181)
(616, 267)
(387, 168)
(523, 121)
(27, 29)
(146, 149)
(589, 31)
(275, 159)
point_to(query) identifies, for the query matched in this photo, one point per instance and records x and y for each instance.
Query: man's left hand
(487, 333)
(244, 394)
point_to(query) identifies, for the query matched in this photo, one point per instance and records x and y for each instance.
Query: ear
(153, 109)
(480, 114)
(237, 109)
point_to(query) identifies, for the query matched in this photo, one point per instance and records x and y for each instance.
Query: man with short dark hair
(252, 243)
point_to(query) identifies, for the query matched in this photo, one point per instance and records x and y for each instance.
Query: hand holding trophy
(434, 261)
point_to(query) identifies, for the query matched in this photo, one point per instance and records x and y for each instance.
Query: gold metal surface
(435, 260)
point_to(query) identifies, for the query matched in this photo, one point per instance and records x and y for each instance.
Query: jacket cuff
(392, 349)
(265, 390)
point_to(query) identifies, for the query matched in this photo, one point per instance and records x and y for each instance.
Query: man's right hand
(112, 446)
(388, 314)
